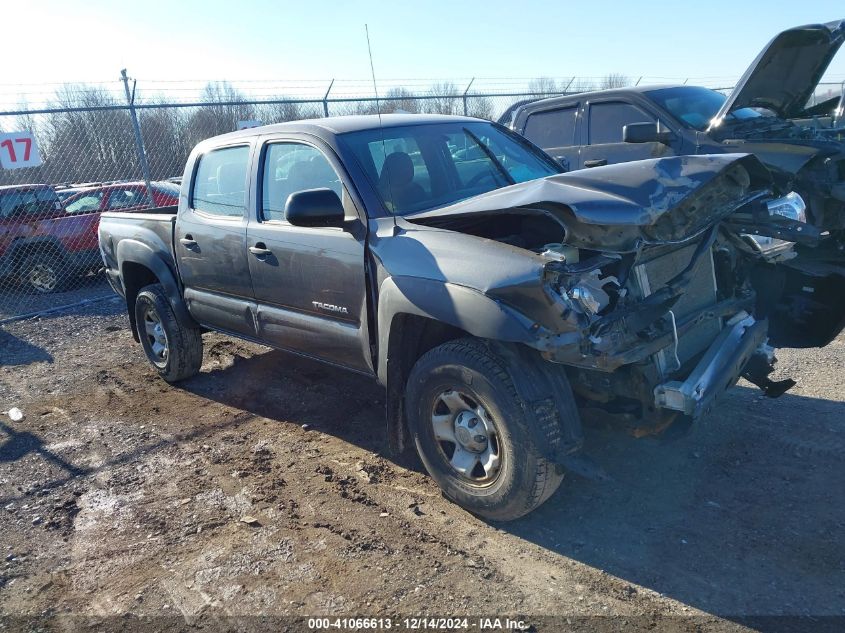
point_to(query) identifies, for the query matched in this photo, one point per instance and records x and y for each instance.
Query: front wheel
(470, 429)
(173, 349)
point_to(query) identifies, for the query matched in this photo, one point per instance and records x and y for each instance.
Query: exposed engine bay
(649, 328)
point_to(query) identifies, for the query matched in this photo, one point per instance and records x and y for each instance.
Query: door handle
(259, 250)
(597, 162)
(188, 241)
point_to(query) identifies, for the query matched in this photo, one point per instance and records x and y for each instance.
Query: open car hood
(620, 208)
(787, 71)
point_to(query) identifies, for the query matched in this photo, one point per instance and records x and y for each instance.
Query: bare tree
(615, 80)
(446, 99)
(480, 107)
(166, 140)
(581, 84)
(400, 99)
(225, 108)
(94, 144)
(543, 87)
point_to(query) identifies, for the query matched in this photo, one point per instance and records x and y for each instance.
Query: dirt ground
(263, 488)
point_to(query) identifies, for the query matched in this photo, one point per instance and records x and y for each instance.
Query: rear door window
(608, 119)
(554, 128)
(220, 182)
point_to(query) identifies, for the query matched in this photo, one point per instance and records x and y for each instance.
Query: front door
(210, 242)
(605, 120)
(309, 282)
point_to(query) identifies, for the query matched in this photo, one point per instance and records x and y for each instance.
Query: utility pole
(139, 141)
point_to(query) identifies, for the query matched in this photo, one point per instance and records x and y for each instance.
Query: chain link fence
(102, 149)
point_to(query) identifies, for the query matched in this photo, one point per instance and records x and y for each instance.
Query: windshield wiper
(491, 156)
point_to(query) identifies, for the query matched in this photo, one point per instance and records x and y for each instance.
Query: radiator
(700, 293)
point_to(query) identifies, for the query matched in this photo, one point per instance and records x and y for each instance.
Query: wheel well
(411, 336)
(23, 250)
(135, 276)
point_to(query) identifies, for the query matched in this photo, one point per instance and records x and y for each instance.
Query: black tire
(43, 273)
(182, 346)
(468, 367)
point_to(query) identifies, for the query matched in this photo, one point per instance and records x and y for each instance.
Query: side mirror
(314, 207)
(644, 133)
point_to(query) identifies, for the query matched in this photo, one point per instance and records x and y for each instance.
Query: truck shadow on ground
(742, 515)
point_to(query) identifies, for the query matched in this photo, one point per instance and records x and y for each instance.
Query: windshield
(696, 107)
(420, 167)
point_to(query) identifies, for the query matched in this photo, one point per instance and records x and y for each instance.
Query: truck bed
(151, 227)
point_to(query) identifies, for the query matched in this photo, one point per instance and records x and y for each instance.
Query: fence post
(326, 99)
(139, 141)
(465, 95)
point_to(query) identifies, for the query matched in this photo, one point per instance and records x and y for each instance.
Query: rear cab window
(220, 182)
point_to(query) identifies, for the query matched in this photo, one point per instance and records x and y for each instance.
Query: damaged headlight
(591, 294)
(792, 207)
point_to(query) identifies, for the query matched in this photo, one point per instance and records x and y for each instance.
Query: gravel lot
(263, 487)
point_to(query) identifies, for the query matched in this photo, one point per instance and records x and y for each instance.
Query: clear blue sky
(310, 39)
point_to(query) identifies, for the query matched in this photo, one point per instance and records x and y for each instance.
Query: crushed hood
(787, 71)
(619, 208)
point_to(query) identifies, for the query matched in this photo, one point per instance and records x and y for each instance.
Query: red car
(40, 244)
(125, 196)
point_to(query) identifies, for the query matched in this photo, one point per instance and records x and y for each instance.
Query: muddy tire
(175, 351)
(469, 426)
(43, 273)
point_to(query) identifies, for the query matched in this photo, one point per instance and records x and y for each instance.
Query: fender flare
(136, 252)
(459, 306)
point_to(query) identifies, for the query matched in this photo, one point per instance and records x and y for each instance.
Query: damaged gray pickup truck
(494, 298)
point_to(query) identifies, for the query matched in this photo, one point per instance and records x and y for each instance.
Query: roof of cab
(608, 92)
(343, 124)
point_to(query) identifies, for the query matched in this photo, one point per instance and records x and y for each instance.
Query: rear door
(210, 241)
(309, 282)
(604, 145)
(555, 131)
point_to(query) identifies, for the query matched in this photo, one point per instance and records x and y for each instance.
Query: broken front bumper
(718, 369)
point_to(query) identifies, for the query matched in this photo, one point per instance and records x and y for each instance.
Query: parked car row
(48, 236)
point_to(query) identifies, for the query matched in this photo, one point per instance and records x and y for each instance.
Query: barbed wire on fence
(94, 159)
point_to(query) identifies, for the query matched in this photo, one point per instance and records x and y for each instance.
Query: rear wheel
(173, 349)
(470, 429)
(43, 273)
